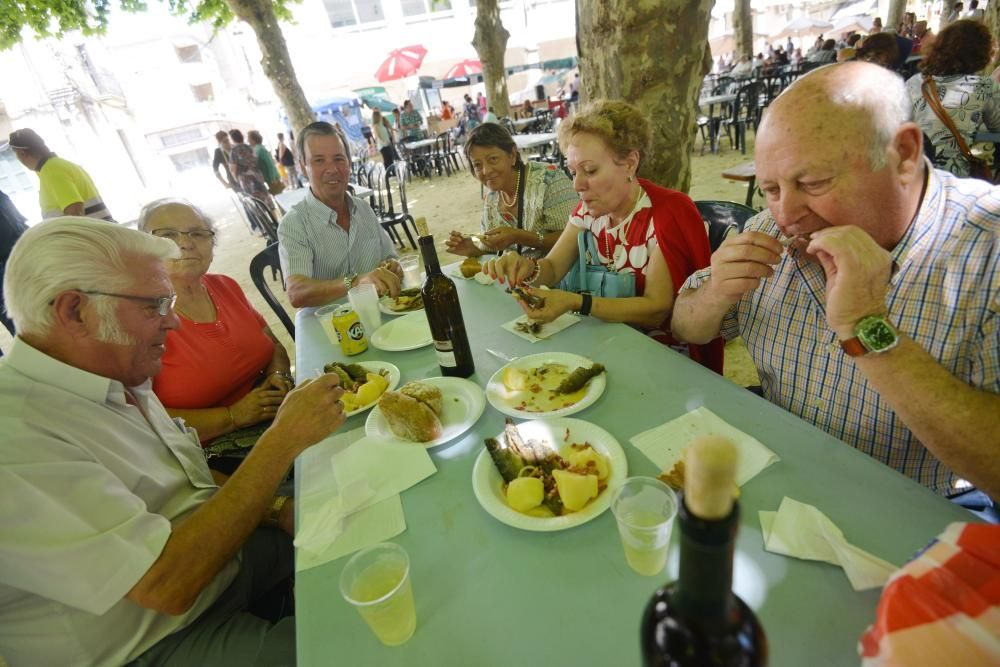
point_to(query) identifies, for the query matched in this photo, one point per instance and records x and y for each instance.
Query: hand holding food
(741, 262)
(501, 238)
(458, 244)
(413, 413)
(547, 308)
(510, 268)
(385, 281)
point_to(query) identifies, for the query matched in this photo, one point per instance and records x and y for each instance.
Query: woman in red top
(638, 227)
(223, 369)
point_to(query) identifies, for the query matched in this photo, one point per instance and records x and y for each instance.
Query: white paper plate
(383, 305)
(462, 401)
(502, 399)
(403, 333)
(488, 485)
(375, 367)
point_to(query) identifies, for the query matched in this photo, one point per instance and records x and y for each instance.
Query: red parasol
(464, 69)
(401, 63)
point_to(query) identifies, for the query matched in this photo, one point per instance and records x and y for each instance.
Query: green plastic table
(488, 594)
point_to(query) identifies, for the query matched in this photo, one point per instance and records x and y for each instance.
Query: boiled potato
(580, 457)
(525, 493)
(350, 401)
(575, 490)
(515, 379)
(379, 380)
(370, 391)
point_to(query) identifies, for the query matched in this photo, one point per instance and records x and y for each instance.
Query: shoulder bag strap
(930, 92)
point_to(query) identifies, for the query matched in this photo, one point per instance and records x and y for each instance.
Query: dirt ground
(446, 203)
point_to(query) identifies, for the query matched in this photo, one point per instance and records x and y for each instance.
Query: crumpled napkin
(548, 329)
(664, 445)
(801, 530)
(346, 494)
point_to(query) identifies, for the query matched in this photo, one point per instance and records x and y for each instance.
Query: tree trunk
(490, 42)
(653, 54)
(895, 17)
(743, 29)
(277, 65)
(992, 21)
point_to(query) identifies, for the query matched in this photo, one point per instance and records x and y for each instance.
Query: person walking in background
(383, 138)
(286, 158)
(243, 164)
(221, 158)
(64, 188)
(410, 123)
(11, 227)
(481, 101)
(265, 163)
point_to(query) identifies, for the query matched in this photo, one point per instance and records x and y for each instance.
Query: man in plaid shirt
(875, 237)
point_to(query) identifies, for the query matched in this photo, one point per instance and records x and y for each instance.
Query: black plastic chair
(722, 217)
(268, 259)
(260, 216)
(391, 219)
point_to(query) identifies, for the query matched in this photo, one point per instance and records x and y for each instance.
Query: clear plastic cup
(644, 509)
(325, 317)
(411, 270)
(364, 300)
(376, 582)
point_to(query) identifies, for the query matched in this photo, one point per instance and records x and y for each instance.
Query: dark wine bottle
(698, 620)
(444, 314)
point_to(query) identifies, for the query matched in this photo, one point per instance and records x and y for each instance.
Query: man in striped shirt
(64, 188)
(331, 241)
(875, 236)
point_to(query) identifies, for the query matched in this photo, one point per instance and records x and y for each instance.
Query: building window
(195, 159)
(203, 92)
(186, 136)
(420, 7)
(14, 177)
(188, 54)
(344, 13)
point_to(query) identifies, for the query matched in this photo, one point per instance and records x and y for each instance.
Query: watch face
(877, 334)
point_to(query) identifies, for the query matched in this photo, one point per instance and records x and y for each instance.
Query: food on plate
(408, 299)
(413, 412)
(361, 386)
(547, 387)
(532, 301)
(540, 481)
(578, 378)
(470, 267)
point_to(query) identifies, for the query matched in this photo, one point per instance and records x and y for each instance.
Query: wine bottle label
(445, 353)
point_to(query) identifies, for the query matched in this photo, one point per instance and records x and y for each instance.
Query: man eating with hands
(880, 323)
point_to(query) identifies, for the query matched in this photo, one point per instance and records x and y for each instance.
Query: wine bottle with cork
(444, 315)
(698, 620)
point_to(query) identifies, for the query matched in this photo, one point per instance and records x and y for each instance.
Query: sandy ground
(446, 203)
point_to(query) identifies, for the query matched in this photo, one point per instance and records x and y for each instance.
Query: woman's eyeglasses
(162, 304)
(176, 234)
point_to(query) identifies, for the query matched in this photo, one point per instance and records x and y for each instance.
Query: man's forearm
(306, 292)
(201, 545)
(958, 424)
(697, 316)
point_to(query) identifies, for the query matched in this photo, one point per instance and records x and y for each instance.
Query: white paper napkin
(345, 483)
(665, 444)
(801, 530)
(548, 329)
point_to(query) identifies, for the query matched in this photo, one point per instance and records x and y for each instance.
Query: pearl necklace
(512, 202)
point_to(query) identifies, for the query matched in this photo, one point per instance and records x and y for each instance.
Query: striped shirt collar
(317, 210)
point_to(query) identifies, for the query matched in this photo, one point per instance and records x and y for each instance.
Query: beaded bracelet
(530, 280)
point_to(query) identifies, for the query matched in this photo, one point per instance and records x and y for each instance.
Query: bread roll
(425, 393)
(470, 267)
(409, 418)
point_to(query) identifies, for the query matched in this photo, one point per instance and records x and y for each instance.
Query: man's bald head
(858, 103)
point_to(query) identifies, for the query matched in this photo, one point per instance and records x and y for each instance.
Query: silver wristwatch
(349, 280)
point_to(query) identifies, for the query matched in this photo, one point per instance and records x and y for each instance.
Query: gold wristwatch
(349, 280)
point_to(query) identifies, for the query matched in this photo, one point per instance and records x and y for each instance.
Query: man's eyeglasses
(162, 304)
(176, 234)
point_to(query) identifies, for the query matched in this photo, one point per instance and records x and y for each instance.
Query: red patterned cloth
(213, 364)
(943, 607)
(666, 221)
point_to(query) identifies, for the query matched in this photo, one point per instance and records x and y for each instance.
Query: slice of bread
(409, 418)
(425, 393)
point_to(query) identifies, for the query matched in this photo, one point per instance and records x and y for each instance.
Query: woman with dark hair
(953, 63)
(879, 49)
(527, 203)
